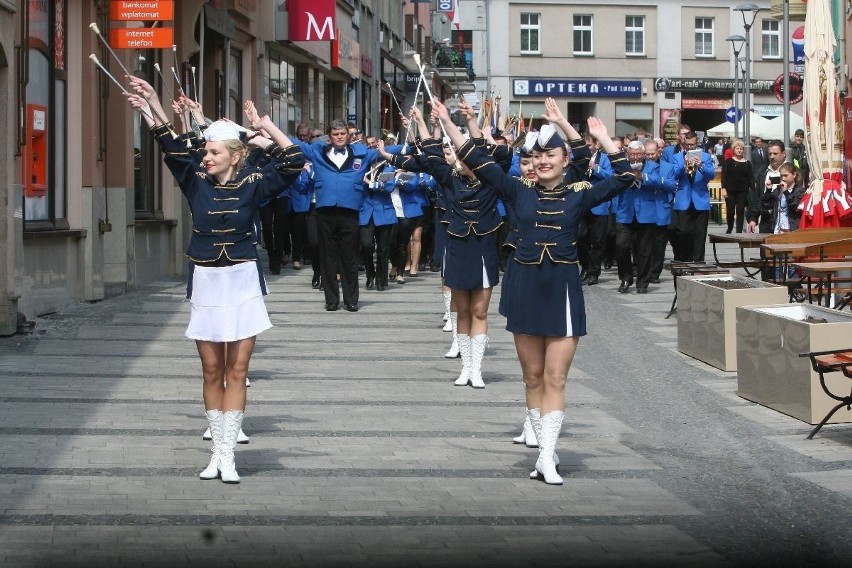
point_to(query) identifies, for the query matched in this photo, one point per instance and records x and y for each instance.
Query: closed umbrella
(826, 203)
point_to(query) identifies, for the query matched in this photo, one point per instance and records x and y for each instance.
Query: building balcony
(450, 62)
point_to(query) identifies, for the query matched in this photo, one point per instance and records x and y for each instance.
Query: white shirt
(338, 159)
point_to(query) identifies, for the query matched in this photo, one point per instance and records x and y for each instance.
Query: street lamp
(737, 45)
(748, 11)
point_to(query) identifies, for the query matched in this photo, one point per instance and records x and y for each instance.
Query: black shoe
(654, 280)
(415, 275)
(381, 287)
(370, 282)
(435, 268)
(350, 307)
(625, 285)
(275, 268)
(332, 307)
(641, 290)
(316, 281)
(591, 280)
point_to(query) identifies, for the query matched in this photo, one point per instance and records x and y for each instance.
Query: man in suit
(761, 198)
(759, 156)
(670, 151)
(339, 169)
(691, 211)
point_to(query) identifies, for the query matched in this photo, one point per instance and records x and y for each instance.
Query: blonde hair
(737, 142)
(235, 146)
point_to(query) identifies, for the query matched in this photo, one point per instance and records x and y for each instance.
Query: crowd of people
(547, 212)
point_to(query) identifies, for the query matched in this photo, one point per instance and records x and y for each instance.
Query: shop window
(632, 118)
(43, 157)
(284, 107)
(235, 85)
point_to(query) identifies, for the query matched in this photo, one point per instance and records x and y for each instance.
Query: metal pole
(747, 94)
(736, 93)
(785, 37)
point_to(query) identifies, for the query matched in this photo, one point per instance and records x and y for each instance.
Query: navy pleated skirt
(544, 299)
(504, 285)
(471, 262)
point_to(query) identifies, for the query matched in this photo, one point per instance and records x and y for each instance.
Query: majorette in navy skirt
(544, 299)
(471, 262)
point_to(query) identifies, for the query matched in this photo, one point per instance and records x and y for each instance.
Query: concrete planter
(707, 318)
(769, 369)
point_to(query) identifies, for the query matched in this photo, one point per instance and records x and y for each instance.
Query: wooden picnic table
(823, 272)
(745, 241)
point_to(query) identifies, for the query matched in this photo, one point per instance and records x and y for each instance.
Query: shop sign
(576, 88)
(713, 104)
(312, 20)
(366, 66)
(445, 6)
(796, 88)
(219, 21)
(137, 10)
(411, 81)
(141, 38)
(674, 84)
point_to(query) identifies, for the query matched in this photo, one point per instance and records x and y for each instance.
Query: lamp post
(749, 14)
(737, 45)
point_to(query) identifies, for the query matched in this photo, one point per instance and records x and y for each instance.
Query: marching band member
(226, 285)
(546, 311)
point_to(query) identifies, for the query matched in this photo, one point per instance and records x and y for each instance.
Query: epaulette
(526, 181)
(579, 185)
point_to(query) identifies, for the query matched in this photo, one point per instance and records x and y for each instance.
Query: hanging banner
(312, 20)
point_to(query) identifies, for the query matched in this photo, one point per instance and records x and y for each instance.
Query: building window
(703, 37)
(45, 124)
(284, 109)
(583, 34)
(531, 33)
(634, 118)
(235, 85)
(770, 39)
(147, 196)
(634, 35)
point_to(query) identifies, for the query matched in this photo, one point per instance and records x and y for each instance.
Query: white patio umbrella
(826, 203)
(775, 128)
(757, 124)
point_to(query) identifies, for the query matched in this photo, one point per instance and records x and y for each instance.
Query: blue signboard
(599, 88)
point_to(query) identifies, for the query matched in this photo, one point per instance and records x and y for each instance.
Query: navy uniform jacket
(223, 215)
(548, 220)
(472, 204)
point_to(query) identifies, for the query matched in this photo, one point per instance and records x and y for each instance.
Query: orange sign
(141, 38)
(139, 10)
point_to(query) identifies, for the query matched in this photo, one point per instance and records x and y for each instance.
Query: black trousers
(338, 233)
(296, 224)
(635, 241)
(276, 236)
(597, 227)
(735, 205)
(377, 240)
(661, 240)
(404, 229)
(691, 232)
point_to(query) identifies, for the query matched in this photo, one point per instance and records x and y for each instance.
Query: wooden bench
(780, 248)
(679, 268)
(824, 362)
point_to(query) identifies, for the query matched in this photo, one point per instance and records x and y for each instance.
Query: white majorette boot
(454, 347)
(448, 298)
(477, 352)
(545, 466)
(527, 436)
(241, 437)
(248, 384)
(215, 419)
(464, 349)
(233, 421)
(534, 414)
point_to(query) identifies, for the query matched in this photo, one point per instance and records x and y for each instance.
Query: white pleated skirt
(227, 303)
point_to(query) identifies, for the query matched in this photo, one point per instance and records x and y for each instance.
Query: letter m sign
(311, 20)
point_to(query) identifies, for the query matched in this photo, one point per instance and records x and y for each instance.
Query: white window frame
(531, 28)
(703, 32)
(582, 29)
(770, 38)
(631, 30)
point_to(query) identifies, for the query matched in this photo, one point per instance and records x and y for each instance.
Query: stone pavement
(363, 453)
